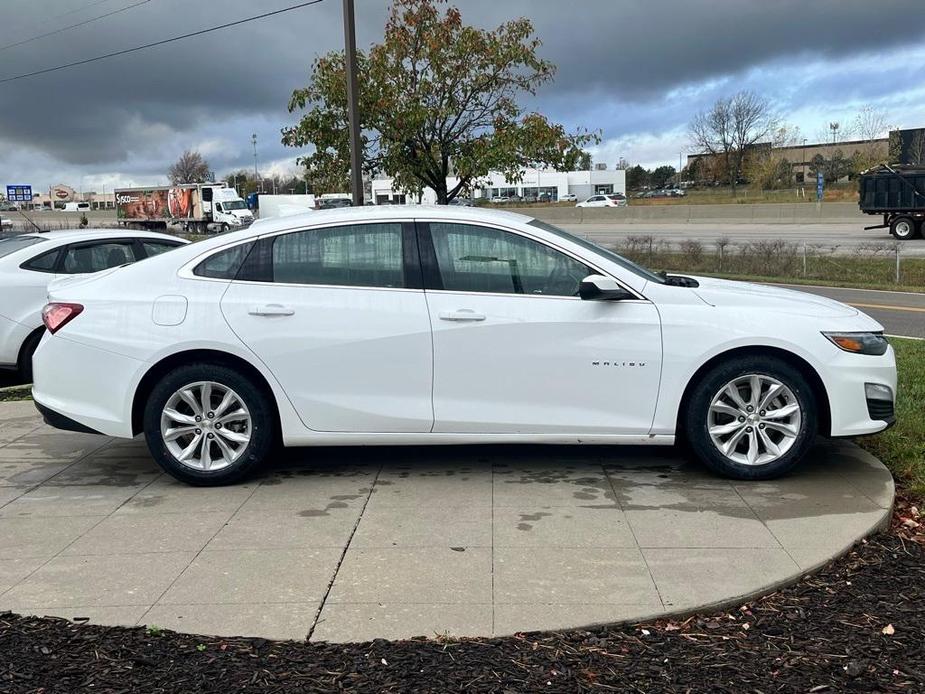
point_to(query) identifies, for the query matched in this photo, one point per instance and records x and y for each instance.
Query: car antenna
(29, 219)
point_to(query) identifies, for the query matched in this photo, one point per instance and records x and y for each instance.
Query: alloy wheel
(754, 419)
(206, 426)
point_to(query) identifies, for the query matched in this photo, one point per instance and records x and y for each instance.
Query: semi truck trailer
(199, 207)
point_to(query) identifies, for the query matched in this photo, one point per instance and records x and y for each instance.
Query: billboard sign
(19, 193)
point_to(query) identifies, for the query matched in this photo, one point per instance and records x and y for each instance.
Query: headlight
(859, 343)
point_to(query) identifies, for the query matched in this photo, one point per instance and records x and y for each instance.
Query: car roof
(372, 213)
(75, 235)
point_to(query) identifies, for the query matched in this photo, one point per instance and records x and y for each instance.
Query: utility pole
(353, 116)
(256, 175)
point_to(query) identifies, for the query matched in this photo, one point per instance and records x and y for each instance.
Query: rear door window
(94, 257)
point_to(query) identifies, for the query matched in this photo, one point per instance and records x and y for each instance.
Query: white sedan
(608, 200)
(30, 261)
(448, 325)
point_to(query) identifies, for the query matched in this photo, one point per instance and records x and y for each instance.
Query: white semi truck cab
(229, 210)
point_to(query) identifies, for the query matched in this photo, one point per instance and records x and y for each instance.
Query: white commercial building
(544, 184)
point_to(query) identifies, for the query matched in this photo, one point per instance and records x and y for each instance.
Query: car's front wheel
(751, 418)
(208, 424)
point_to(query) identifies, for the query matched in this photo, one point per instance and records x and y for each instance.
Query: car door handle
(271, 310)
(461, 315)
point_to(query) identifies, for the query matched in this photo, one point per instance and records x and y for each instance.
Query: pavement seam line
(197, 554)
(492, 548)
(88, 530)
(767, 527)
(629, 524)
(343, 555)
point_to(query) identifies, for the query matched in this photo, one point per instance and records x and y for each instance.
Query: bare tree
(189, 168)
(731, 128)
(870, 125)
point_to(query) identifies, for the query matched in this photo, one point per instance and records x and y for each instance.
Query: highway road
(841, 238)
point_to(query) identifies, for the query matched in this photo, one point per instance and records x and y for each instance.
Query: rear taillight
(56, 315)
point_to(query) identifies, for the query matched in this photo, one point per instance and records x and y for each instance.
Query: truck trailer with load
(199, 207)
(898, 194)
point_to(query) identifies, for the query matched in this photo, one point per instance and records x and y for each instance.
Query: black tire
(262, 415)
(29, 345)
(225, 228)
(696, 417)
(904, 228)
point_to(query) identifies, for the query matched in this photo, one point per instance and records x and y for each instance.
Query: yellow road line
(891, 308)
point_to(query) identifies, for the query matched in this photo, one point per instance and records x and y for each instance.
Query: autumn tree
(191, 167)
(730, 128)
(437, 98)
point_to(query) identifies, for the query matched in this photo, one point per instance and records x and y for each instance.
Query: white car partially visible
(604, 200)
(6, 223)
(29, 262)
(448, 325)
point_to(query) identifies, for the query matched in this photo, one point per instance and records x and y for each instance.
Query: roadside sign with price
(19, 193)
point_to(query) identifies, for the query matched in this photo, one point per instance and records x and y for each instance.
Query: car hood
(727, 293)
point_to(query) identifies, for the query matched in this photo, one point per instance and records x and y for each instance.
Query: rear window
(17, 243)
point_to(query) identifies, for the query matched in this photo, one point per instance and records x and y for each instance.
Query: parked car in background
(334, 203)
(30, 261)
(76, 207)
(607, 200)
(6, 206)
(6, 223)
(568, 197)
(372, 325)
(500, 200)
(461, 202)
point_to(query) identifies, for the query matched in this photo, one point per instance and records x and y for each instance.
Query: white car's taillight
(56, 315)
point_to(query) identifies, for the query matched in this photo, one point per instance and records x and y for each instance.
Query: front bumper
(847, 377)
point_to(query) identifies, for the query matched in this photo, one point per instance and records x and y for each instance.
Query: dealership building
(547, 184)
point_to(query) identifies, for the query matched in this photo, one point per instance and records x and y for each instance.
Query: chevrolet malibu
(417, 325)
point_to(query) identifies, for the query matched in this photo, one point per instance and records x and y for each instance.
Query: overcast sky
(635, 70)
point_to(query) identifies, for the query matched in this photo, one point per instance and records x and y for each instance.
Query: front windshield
(600, 250)
(234, 205)
(17, 243)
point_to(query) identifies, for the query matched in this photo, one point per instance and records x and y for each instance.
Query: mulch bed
(857, 625)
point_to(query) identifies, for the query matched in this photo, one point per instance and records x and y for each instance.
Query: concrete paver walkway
(353, 544)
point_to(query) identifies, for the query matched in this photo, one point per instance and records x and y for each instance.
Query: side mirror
(600, 288)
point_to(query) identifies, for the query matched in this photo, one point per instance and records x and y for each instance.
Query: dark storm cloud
(135, 113)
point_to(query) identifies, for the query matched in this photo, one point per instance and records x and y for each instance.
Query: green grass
(16, 393)
(778, 261)
(902, 448)
(815, 282)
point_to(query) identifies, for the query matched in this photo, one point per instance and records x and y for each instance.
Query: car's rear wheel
(751, 418)
(208, 424)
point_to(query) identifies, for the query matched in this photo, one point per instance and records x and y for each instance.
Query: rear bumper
(59, 421)
(85, 386)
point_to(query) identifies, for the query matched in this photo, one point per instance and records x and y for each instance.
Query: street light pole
(353, 116)
(256, 175)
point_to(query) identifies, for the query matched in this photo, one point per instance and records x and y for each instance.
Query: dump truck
(897, 193)
(199, 207)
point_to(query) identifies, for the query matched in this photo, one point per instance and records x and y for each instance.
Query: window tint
(17, 243)
(153, 248)
(224, 265)
(480, 259)
(359, 255)
(96, 257)
(47, 262)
